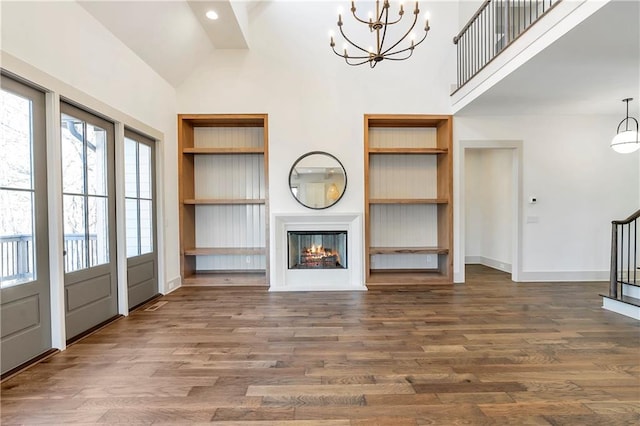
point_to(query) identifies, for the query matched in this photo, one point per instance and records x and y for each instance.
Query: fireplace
(317, 249)
(316, 252)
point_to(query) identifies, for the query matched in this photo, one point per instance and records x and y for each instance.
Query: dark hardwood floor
(488, 352)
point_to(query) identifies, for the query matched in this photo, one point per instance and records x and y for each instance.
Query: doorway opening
(490, 223)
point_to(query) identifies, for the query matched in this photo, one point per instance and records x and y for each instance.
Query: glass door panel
(140, 212)
(16, 192)
(25, 314)
(84, 177)
(88, 146)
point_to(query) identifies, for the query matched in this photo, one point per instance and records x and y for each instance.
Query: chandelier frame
(379, 26)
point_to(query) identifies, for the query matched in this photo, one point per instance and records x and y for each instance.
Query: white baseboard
(545, 276)
(173, 284)
(621, 308)
(491, 263)
(631, 291)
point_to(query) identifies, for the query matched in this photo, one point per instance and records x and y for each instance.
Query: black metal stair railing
(491, 29)
(624, 255)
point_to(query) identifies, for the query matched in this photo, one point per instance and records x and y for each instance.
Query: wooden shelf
(211, 251)
(408, 151)
(407, 277)
(223, 201)
(222, 150)
(408, 201)
(408, 250)
(223, 120)
(209, 151)
(402, 138)
(224, 279)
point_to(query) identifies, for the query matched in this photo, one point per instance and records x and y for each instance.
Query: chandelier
(378, 24)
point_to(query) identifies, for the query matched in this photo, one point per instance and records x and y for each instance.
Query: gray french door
(25, 311)
(140, 189)
(88, 193)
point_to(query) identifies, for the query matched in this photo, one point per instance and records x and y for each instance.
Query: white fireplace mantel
(285, 279)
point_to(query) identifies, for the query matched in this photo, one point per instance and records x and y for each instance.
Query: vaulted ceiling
(174, 36)
(587, 71)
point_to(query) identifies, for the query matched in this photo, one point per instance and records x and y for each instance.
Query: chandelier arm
(415, 19)
(350, 42)
(366, 58)
(399, 59)
(353, 12)
(395, 22)
(358, 63)
(387, 19)
(388, 55)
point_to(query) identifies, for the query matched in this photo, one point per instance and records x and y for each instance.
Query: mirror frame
(303, 156)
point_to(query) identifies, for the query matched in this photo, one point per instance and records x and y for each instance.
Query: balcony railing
(16, 256)
(491, 29)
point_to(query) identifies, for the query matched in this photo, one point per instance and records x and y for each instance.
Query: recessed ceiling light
(212, 15)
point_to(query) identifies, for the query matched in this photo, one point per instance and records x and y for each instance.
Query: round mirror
(317, 180)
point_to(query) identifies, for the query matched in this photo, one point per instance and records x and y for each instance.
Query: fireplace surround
(298, 263)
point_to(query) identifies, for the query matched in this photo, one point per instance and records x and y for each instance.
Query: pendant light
(626, 141)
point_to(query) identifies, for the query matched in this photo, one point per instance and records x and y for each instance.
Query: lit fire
(317, 251)
(319, 256)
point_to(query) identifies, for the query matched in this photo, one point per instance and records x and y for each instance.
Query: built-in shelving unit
(408, 199)
(223, 189)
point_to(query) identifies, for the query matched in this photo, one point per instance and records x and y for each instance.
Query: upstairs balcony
(536, 43)
(492, 29)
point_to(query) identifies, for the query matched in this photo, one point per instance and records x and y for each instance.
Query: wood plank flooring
(488, 352)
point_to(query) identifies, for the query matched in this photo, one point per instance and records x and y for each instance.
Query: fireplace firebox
(317, 249)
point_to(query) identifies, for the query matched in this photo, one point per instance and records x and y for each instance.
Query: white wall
(466, 10)
(314, 100)
(488, 207)
(580, 183)
(62, 48)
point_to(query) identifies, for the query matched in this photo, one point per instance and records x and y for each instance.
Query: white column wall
(314, 100)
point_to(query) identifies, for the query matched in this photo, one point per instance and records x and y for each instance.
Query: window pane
(72, 155)
(15, 142)
(130, 168)
(75, 243)
(98, 231)
(146, 227)
(145, 171)
(16, 237)
(132, 228)
(96, 160)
